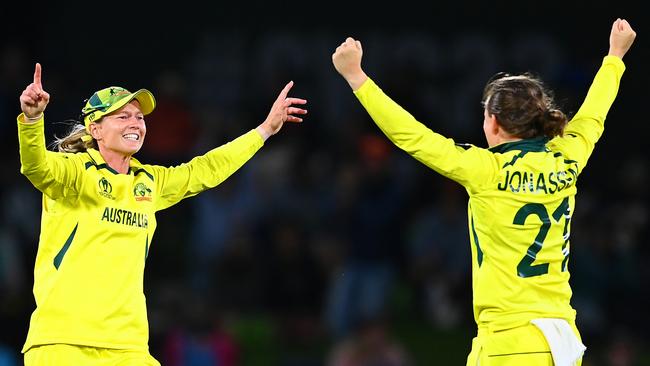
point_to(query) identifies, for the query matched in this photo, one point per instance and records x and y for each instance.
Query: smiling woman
(112, 103)
(120, 135)
(113, 124)
(99, 207)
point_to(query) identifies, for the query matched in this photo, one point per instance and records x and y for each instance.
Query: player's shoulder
(149, 170)
(77, 157)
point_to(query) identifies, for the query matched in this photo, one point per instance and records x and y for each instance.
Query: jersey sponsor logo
(537, 182)
(105, 188)
(141, 192)
(125, 217)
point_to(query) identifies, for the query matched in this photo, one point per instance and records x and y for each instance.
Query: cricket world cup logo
(105, 188)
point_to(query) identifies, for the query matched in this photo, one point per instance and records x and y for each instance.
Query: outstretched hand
(347, 61)
(283, 110)
(621, 38)
(34, 99)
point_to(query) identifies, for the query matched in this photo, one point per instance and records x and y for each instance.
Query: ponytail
(552, 123)
(77, 140)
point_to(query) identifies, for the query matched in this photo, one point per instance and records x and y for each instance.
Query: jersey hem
(86, 343)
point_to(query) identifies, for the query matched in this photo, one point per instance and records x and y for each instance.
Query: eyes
(125, 117)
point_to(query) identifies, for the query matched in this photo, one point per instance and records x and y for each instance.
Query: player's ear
(493, 124)
(94, 130)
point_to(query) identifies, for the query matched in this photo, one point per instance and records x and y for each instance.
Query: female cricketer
(521, 199)
(98, 220)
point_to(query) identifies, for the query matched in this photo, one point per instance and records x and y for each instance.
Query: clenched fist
(621, 38)
(347, 61)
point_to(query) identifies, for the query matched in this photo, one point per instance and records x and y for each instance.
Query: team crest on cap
(115, 91)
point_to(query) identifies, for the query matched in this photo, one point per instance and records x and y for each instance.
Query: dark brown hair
(523, 106)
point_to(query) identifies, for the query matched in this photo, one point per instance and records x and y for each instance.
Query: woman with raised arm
(99, 218)
(521, 199)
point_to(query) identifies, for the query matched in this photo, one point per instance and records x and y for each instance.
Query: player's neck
(116, 160)
(502, 138)
(507, 139)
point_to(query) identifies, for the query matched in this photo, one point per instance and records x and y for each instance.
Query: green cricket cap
(110, 99)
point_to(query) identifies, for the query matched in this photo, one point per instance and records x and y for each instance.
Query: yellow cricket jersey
(96, 229)
(521, 200)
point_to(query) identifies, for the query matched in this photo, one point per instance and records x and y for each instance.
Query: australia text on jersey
(125, 217)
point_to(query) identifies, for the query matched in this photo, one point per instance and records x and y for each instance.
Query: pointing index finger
(285, 91)
(37, 76)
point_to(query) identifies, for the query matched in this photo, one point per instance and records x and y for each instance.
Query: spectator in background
(370, 343)
(437, 257)
(370, 200)
(294, 282)
(216, 218)
(173, 138)
(200, 337)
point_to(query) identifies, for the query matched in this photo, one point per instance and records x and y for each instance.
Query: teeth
(132, 136)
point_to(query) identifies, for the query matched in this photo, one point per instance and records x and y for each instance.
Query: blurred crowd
(330, 239)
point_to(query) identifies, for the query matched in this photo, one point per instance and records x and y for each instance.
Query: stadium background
(252, 270)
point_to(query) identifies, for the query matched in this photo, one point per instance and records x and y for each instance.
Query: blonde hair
(77, 140)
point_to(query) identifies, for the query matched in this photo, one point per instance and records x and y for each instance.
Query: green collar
(536, 144)
(98, 161)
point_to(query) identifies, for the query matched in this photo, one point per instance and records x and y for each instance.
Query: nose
(135, 121)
